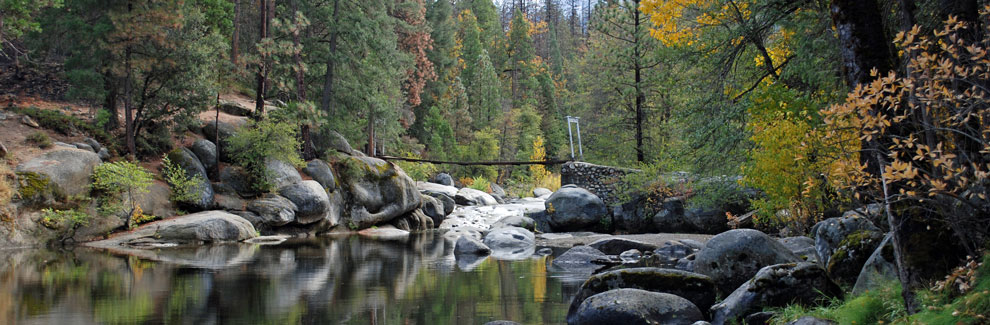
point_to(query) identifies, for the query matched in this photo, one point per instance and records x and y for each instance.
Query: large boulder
(802, 246)
(572, 208)
(671, 217)
(312, 202)
(617, 245)
(433, 188)
(830, 233)
(206, 152)
(776, 286)
(852, 253)
(697, 288)
(471, 246)
(470, 196)
(377, 191)
(580, 258)
(58, 174)
(320, 171)
(879, 268)
(281, 173)
(515, 221)
(432, 208)
(328, 141)
(93, 144)
(206, 226)
(634, 306)
(156, 201)
(186, 159)
(732, 257)
(273, 210)
(413, 221)
(447, 202)
(541, 192)
(511, 242)
(238, 180)
(227, 131)
(443, 179)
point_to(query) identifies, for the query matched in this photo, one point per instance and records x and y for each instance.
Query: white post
(570, 135)
(580, 147)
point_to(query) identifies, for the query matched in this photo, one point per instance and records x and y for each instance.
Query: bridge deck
(478, 163)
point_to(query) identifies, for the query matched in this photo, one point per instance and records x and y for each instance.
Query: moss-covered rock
(849, 257)
(57, 174)
(375, 190)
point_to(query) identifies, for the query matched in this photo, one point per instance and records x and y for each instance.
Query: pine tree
(521, 55)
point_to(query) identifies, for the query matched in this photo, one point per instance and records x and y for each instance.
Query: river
(329, 280)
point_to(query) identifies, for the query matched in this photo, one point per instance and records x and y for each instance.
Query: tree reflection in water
(352, 279)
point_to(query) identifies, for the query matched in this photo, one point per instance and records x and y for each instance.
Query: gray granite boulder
(616, 245)
(376, 191)
(186, 159)
(470, 196)
(433, 209)
(515, 221)
(573, 209)
(511, 243)
(776, 286)
(733, 257)
(320, 171)
(579, 258)
(273, 210)
(470, 245)
(206, 151)
(633, 307)
(312, 202)
(281, 173)
(64, 172)
(443, 179)
(697, 288)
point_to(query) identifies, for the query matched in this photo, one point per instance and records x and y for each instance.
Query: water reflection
(415, 280)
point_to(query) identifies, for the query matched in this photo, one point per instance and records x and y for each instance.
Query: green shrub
(40, 139)
(183, 186)
(119, 181)
(64, 124)
(263, 140)
(418, 171)
(64, 222)
(481, 184)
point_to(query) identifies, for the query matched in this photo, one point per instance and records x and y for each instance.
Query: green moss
(36, 188)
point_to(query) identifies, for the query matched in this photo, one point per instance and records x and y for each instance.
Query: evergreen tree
(485, 94)
(521, 55)
(414, 39)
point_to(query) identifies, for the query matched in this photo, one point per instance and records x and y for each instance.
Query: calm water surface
(351, 280)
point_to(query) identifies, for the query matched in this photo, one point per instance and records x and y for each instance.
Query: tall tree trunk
(862, 47)
(370, 148)
(640, 95)
(235, 39)
(262, 76)
(128, 106)
(327, 100)
(307, 141)
(110, 102)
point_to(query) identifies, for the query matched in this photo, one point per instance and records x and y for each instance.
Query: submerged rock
(580, 258)
(634, 306)
(470, 245)
(511, 243)
(617, 245)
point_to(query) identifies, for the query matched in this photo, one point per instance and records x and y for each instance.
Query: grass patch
(40, 139)
(964, 298)
(64, 124)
